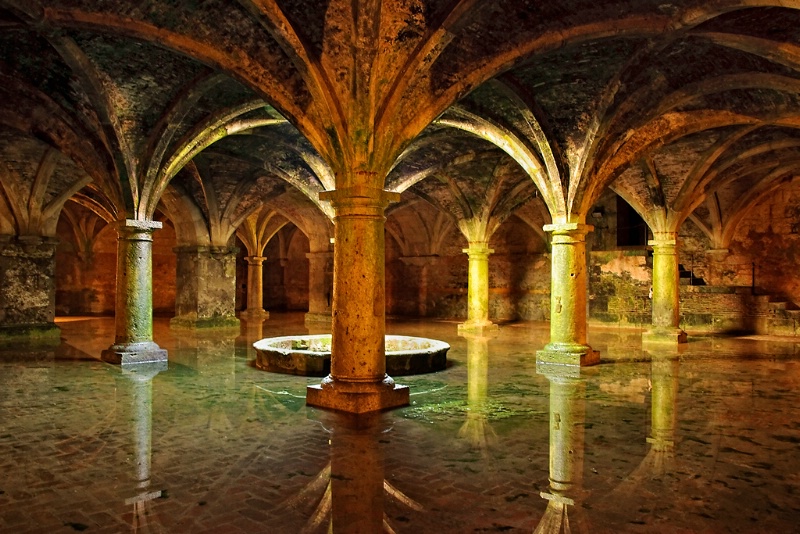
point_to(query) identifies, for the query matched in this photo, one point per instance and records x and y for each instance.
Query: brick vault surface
(698, 440)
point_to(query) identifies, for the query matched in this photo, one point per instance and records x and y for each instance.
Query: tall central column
(568, 298)
(666, 291)
(358, 381)
(255, 289)
(134, 298)
(478, 289)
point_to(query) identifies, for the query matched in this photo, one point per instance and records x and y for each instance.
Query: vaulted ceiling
(209, 110)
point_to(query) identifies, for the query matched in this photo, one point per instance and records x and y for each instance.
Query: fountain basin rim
(423, 345)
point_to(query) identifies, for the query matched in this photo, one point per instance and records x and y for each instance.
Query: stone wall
(27, 287)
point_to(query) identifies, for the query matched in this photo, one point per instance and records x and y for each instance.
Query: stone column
(478, 289)
(357, 474)
(476, 429)
(358, 381)
(141, 377)
(134, 296)
(320, 288)
(255, 289)
(568, 298)
(567, 443)
(664, 400)
(27, 290)
(206, 292)
(666, 291)
(421, 268)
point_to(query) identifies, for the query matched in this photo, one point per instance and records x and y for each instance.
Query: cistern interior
(594, 205)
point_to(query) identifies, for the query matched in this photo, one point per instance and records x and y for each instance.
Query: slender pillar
(134, 297)
(255, 289)
(141, 377)
(568, 298)
(567, 443)
(358, 381)
(357, 475)
(206, 292)
(666, 291)
(478, 289)
(476, 429)
(27, 291)
(319, 288)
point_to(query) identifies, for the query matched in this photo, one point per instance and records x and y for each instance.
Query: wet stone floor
(704, 439)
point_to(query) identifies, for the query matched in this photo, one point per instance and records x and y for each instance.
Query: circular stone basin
(311, 355)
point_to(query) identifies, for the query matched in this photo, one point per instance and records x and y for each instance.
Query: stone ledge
(357, 398)
(134, 353)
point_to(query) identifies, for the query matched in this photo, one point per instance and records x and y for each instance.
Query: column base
(477, 327)
(318, 319)
(193, 323)
(38, 335)
(357, 397)
(573, 354)
(257, 314)
(664, 335)
(134, 353)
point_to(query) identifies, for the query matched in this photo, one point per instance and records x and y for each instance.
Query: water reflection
(476, 430)
(141, 377)
(567, 438)
(350, 490)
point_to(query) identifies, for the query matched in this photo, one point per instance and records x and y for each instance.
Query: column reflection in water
(567, 437)
(476, 429)
(350, 491)
(141, 380)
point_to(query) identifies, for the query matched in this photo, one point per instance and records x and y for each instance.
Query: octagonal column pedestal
(134, 299)
(567, 344)
(255, 289)
(567, 444)
(358, 382)
(319, 289)
(666, 292)
(478, 290)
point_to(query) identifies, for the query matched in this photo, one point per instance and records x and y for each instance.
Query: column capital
(478, 252)
(323, 255)
(137, 230)
(664, 239)
(568, 232)
(419, 261)
(255, 260)
(359, 200)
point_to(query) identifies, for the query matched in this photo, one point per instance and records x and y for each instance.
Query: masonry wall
(86, 281)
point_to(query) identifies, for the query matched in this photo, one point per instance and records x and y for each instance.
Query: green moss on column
(568, 298)
(134, 298)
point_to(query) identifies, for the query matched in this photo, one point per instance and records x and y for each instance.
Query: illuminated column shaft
(478, 287)
(255, 287)
(358, 380)
(568, 298)
(666, 291)
(134, 298)
(664, 396)
(567, 415)
(357, 475)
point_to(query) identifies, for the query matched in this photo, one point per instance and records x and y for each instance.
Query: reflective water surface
(699, 440)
